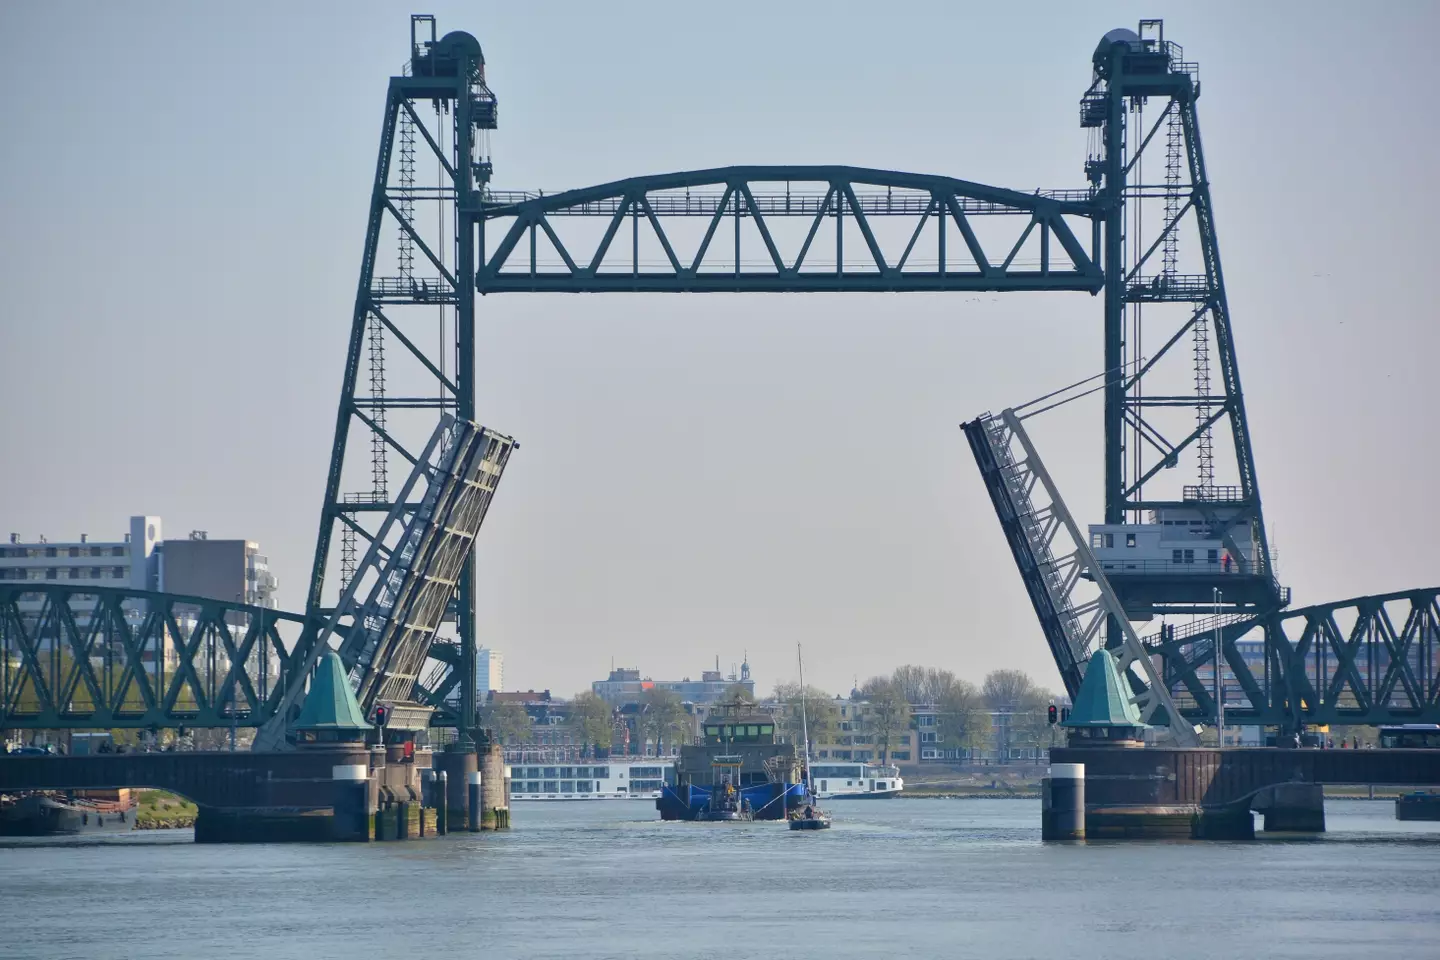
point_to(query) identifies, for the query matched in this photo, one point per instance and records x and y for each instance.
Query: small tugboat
(727, 802)
(810, 817)
(738, 757)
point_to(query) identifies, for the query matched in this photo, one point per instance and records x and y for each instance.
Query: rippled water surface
(908, 878)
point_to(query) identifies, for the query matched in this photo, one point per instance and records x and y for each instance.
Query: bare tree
(964, 721)
(1020, 705)
(1005, 688)
(888, 713)
(1030, 725)
(737, 693)
(820, 710)
(510, 723)
(592, 719)
(662, 718)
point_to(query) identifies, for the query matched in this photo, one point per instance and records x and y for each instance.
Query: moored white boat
(853, 781)
(615, 778)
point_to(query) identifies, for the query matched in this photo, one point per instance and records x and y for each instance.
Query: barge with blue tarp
(737, 751)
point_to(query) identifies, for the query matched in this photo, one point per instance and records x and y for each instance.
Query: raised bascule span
(398, 596)
(1140, 235)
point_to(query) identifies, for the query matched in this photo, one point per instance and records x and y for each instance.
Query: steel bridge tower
(414, 319)
(1166, 317)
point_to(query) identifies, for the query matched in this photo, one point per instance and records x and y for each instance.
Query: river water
(602, 879)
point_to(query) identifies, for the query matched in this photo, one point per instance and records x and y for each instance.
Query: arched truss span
(1366, 660)
(791, 229)
(104, 657)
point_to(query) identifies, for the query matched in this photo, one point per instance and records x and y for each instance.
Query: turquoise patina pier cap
(331, 714)
(1103, 714)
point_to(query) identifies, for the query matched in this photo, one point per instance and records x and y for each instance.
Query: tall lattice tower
(419, 255)
(1161, 253)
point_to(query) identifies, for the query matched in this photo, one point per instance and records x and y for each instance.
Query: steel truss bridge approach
(1139, 234)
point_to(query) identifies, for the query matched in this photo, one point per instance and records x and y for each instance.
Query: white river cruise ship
(838, 781)
(615, 778)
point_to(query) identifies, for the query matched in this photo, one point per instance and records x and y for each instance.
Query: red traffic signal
(382, 714)
(1054, 713)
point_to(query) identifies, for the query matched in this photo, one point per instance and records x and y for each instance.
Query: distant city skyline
(716, 473)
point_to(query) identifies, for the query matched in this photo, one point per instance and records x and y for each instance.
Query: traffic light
(382, 714)
(1065, 713)
(1054, 714)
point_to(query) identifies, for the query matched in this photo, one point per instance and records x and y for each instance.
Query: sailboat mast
(804, 722)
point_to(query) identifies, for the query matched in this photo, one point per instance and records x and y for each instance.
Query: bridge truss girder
(106, 657)
(931, 239)
(1368, 660)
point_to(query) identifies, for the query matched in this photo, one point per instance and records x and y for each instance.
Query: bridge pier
(1062, 803)
(494, 803)
(351, 818)
(1292, 807)
(454, 767)
(1206, 793)
(347, 792)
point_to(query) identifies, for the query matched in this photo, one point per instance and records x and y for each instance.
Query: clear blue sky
(184, 191)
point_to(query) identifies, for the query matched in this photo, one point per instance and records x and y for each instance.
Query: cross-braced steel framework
(438, 234)
(389, 613)
(785, 229)
(115, 658)
(1069, 591)
(1141, 235)
(414, 314)
(1166, 310)
(1369, 660)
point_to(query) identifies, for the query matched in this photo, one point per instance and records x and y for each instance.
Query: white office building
(132, 563)
(489, 672)
(228, 570)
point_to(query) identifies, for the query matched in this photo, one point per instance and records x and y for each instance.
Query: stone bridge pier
(244, 796)
(1210, 793)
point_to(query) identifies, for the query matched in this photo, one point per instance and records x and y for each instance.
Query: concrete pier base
(454, 768)
(474, 785)
(1292, 807)
(493, 808)
(257, 825)
(1062, 807)
(1139, 822)
(442, 807)
(1226, 823)
(350, 820)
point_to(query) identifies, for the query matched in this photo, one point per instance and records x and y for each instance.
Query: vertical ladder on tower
(1059, 570)
(1170, 252)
